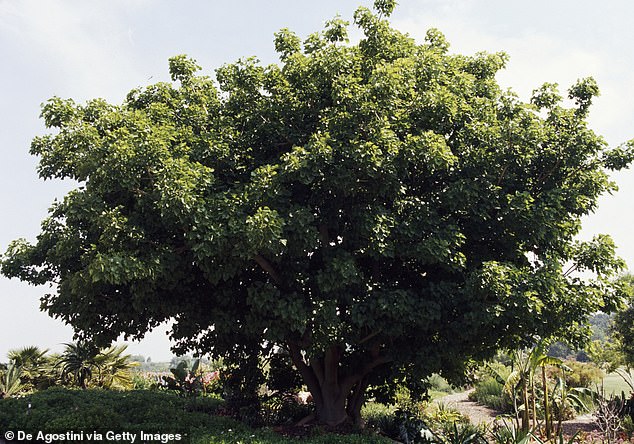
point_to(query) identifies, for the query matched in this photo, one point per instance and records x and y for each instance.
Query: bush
(581, 374)
(58, 410)
(283, 409)
(439, 384)
(380, 417)
(491, 393)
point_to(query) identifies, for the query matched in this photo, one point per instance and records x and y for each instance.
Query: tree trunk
(547, 417)
(525, 414)
(332, 410)
(533, 403)
(338, 398)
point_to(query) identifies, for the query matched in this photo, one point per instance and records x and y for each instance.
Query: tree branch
(317, 365)
(307, 373)
(377, 360)
(323, 235)
(331, 365)
(266, 266)
(370, 336)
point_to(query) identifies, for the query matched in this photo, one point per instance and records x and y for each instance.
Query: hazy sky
(104, 48)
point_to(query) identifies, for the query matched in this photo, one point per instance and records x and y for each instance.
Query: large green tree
(380, 210)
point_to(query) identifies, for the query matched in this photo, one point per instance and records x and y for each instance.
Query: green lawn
(613, 383)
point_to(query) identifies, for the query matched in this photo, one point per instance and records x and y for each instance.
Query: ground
(478, 413)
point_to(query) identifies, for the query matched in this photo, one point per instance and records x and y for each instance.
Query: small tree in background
(623, 324)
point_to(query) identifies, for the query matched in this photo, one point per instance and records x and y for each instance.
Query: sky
(104, 48)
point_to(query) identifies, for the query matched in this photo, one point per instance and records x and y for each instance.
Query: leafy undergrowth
(59, 410)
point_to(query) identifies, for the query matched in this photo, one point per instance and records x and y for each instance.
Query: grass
(614, 384)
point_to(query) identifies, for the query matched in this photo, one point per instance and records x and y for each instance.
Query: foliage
(380, 210)
(628, 427)
(600, 324)
(284, 409)
(609, 415)
(439, 384)
(83, 364)
(582, 374)
(490, 392)
(569, 401)
(282, 404)
(607, 355)
(38, 367)
(78, 362)
(505, 432)
(281, 376)
(31, 359)
(185, 380)
(241, 389)
(10, 383)
(380, 417)
(559, 350)
(114, 368)
(422, 423)
(59, 410)
(624, 334)
(627, 376)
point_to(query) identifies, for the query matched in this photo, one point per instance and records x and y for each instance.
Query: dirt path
(477, 413)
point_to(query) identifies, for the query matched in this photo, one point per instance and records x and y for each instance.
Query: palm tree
(114, 367)
(79, 361)
(35, 366)
(28, 356)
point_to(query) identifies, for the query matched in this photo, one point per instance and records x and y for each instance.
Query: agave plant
(10, 383)
(463, 434)
(506, 432)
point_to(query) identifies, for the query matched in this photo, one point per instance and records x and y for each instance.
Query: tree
(79, 361)
(115, 368)
(37, 370)
(623, 326)
(381, 211)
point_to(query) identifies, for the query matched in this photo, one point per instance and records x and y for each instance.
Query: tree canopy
(380, 210)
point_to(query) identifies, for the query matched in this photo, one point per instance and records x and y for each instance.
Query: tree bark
(356, 399)
(547, 416)
(525, 414)
(338, 398)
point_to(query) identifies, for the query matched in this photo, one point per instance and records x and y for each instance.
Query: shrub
(283, 409)
(59, 410)
(380, 417)
(439, 384)
(491, 393)
(582, 374)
